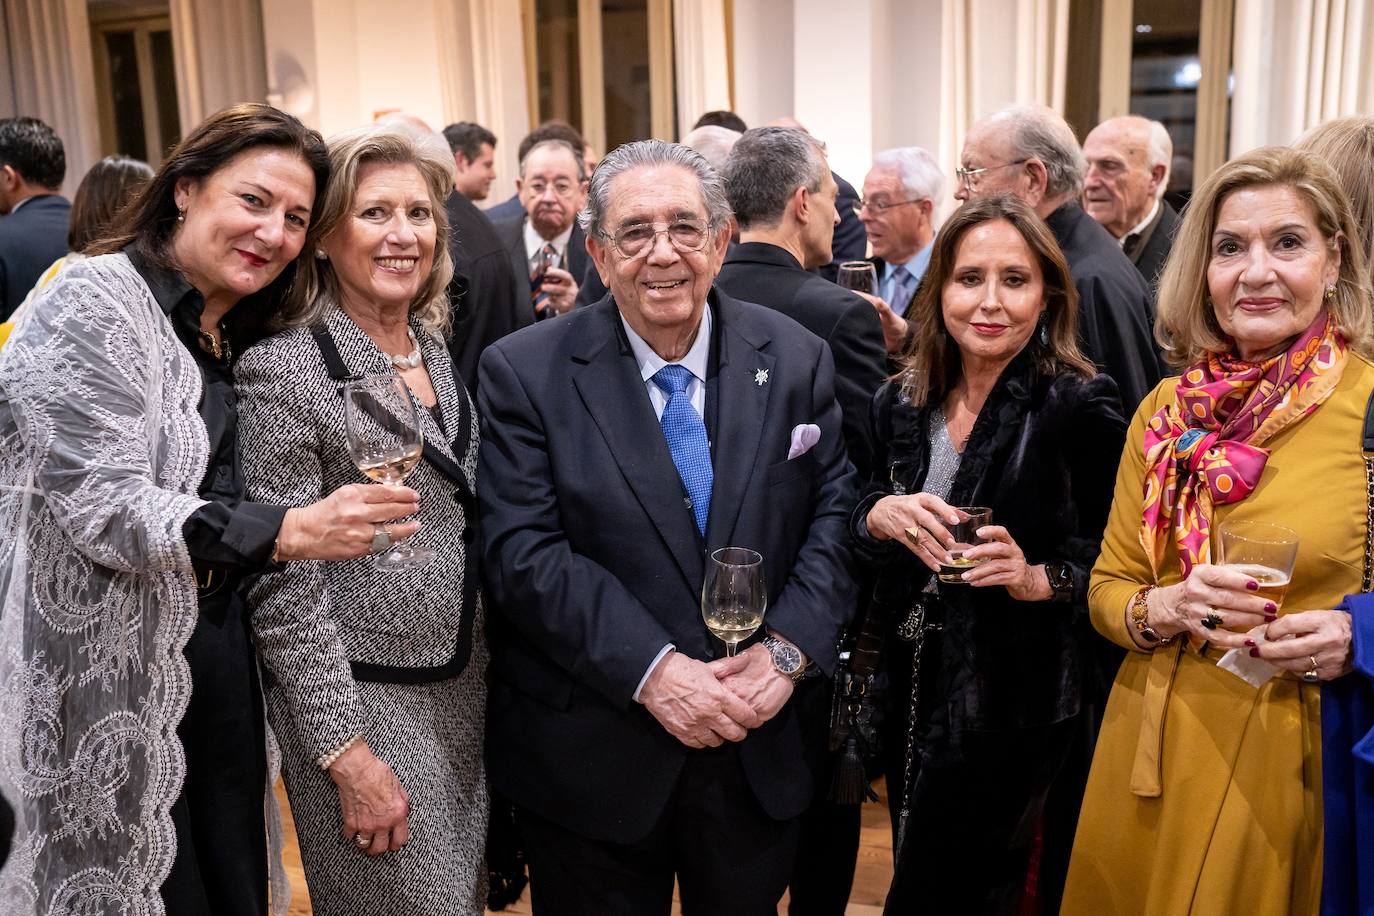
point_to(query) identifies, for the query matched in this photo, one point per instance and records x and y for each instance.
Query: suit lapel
(744, 386)
(609, 384)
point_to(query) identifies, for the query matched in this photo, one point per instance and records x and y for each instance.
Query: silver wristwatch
(787, 658)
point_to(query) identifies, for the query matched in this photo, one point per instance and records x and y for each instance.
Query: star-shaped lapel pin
(761, 377)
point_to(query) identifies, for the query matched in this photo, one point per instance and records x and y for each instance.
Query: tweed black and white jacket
(320, 627)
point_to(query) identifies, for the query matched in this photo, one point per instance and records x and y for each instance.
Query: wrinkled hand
(374, 802)
(756, 681)
(891, 516)
(687, 700)
(340, 526)
(1006, 565)
(562, 289)
(1228, 593)
(1295, 639)
(895, 327)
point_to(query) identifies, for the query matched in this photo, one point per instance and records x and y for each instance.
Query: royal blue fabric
(1348, 773)
(687, 441)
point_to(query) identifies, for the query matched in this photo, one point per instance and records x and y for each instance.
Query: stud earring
(320, 255)
(1331, 291)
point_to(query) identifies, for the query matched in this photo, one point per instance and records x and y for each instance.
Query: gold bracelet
(327, 760)
(1140, 610)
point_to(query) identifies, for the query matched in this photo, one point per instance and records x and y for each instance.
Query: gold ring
(1212, 620)
(362, 842)
(1310, 675)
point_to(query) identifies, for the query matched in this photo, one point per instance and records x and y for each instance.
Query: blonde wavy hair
(1187, 325)
(316, 288)
(1347, 145)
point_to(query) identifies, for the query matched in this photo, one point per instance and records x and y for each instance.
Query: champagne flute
(733, 598)
(860, 276)
(965, 534)
(1264, 552)
(385, 442)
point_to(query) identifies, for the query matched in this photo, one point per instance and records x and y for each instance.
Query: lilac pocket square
(804, 436)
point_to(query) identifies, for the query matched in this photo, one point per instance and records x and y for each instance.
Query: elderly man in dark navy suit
(623, 443)
(33, 216)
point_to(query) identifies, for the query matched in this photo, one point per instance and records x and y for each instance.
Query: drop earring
(181, 214)
(1044, 332)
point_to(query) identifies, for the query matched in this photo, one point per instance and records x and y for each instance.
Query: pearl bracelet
(327, 760)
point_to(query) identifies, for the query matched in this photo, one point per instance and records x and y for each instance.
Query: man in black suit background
(33, 216)
(488, 299)
(622, 444)
(546, 245)
(1030, 151)
(783, 194)
(1128, 173)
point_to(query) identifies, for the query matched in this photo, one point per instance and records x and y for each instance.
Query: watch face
(787, 658)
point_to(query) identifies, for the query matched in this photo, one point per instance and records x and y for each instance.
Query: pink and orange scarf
(1205, 448)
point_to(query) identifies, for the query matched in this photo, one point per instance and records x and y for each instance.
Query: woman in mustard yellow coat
(1205, 791)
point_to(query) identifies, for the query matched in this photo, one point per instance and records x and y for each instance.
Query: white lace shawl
(101, 453)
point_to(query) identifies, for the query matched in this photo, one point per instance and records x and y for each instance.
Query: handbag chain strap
(1367, 450)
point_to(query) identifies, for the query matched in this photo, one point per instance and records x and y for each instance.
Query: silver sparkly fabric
(944, 464)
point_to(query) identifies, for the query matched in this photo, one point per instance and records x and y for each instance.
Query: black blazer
(31, 238)
(1115, 309)
(769, 275)
(1042, 455)
(851, 238)
(487, 298)
(507, 210)
(1149, 260)
(576, 261)
(593, 562)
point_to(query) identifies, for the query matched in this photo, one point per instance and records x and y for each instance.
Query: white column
(703, 75)
(48, 46)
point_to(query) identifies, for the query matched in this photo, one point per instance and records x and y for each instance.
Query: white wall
(763, 60)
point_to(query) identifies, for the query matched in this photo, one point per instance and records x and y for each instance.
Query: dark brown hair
(147, 224)
(933, 350)
(108, 186)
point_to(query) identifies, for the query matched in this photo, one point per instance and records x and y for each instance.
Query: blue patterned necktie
(687, 441)
(903, 286)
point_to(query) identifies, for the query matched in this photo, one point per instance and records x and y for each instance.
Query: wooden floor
(871, 879)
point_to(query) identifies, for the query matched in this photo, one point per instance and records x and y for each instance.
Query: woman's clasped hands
(921, 521)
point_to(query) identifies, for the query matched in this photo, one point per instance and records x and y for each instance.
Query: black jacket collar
(762, 253)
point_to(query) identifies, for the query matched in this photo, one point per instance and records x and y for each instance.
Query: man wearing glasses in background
(622, 444)
(545, 243)
(898, 213)
(1030, 151)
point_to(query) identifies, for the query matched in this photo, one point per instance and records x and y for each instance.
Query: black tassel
(850, 783)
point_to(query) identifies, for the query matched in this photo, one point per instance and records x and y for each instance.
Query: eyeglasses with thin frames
(882, 206)
(969, 178)
(635, 239)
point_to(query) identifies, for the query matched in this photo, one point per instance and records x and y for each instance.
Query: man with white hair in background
(713, 142)
(1029, 151)
(898, 212)
(1128, 173)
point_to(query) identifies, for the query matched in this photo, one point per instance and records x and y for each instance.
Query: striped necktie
(539, 299)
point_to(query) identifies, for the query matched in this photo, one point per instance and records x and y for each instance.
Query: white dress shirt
(1140, 226)
(534, 246)
(650, 362)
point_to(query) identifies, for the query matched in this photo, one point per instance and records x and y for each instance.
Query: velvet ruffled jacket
(1042, 455)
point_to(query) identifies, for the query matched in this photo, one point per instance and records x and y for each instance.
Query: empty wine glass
(385, 442)
(860, 276)
(732, 597)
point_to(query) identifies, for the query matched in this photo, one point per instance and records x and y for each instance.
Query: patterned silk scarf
(1205, 448)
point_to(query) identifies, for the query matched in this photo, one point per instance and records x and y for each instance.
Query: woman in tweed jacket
(374, 680)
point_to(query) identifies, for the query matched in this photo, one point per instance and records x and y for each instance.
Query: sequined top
(944, 464)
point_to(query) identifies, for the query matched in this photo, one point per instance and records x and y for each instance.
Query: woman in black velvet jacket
(996, 407)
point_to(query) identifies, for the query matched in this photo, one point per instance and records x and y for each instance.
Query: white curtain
(1298, 63)
(996, 53)
(218, 45)
(702, 66)
(50, 75)
(482, 76)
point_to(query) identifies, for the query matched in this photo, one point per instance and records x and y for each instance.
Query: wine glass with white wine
(732, 597)
(385, 442)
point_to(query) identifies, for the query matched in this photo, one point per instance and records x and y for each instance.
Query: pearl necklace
(407, 361)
